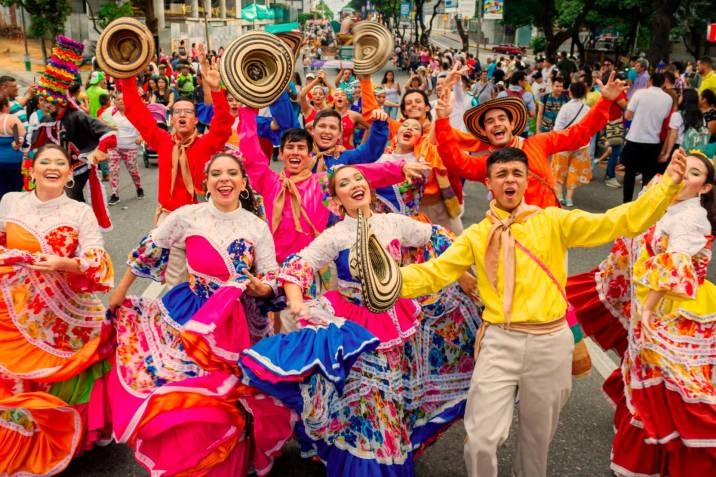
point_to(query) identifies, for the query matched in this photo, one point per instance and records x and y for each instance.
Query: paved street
(581, 446)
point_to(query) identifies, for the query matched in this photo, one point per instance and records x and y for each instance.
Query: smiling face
(184, 118)
(326, 132)
(351, 190)
(295, 156)
(51, 171)
(409, 134)
(340, 99)
(414, 106)
(224, 181)
(694, 179)
(507, 181)
(498, 127)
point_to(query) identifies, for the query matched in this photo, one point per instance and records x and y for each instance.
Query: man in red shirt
(181, 154)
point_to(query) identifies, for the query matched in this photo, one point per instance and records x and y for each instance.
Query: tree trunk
(463, 34)
(43, 48)
(662, 20)
(425, 37)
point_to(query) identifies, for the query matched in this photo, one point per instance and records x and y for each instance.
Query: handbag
(614, 132)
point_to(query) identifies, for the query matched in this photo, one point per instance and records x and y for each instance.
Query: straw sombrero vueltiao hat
(124, 48)
(256, 67)
(372, 47)
(378, 273)
(514, 107)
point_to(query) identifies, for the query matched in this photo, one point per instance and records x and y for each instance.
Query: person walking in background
(392, 93)
(646, 110)
(128, 141)
(571, 168)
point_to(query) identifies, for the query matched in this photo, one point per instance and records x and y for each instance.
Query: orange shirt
(452, 144)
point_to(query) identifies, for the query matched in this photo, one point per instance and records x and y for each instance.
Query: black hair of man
(506, 154)
(578, 90)
(657, 79)
(327, 113)
(297, 135)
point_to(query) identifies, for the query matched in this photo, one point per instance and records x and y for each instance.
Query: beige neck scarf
(180, 162)
(501, 235)
(288, 184)
(319, 160)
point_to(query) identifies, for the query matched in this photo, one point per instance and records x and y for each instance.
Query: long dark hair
(249, 203)
(689, 108)
(708, 200)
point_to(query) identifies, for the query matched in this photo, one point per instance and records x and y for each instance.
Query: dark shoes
(114, 199)
(140, 193)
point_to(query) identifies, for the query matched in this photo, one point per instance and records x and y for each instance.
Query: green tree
(47, 20)
(110, 11)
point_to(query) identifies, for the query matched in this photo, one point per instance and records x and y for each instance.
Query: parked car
(508, 49)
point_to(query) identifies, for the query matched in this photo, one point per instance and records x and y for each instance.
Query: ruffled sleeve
(672, 272)
(299, 268)
(94, 261)
(148, 259)
(296, 270)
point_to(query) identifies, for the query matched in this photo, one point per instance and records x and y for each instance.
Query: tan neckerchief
(501, 235)
(319, 161)
(288, 184)
(180, 162)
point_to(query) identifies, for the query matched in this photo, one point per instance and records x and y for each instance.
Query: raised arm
(257, 164)
(138, 114)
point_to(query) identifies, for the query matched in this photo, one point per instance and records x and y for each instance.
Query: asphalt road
(580, 447)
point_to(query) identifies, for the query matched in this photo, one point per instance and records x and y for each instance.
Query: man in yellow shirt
(705, 69)
(519, 255)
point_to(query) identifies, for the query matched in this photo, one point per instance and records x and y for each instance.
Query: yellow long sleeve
(547, 235)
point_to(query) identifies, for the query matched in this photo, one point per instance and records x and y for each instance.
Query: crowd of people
(337, 298)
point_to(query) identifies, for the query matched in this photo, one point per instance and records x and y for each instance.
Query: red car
(508, 49)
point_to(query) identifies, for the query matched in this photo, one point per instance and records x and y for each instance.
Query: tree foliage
(47, 16)
(110, 11)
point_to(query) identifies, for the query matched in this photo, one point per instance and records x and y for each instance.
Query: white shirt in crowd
(569, 114)
(650, 106)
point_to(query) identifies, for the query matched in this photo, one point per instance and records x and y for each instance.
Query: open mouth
(294, 161)
(358, 194)
(407, 136)
(500, 134)
(510, 193)
(52, 176)
(225, 191)
(182, 122)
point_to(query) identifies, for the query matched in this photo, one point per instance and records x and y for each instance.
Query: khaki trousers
(540, 366)
(438, 215)
(176, 271)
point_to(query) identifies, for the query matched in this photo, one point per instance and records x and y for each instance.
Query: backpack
(696, 139)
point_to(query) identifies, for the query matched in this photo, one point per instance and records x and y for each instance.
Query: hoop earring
(245, 197)
(207, 195)
(68, 186)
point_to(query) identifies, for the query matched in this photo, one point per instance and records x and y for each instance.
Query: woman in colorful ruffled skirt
(654, 306)
(371, 388)
(175, 396)
(52, 326)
